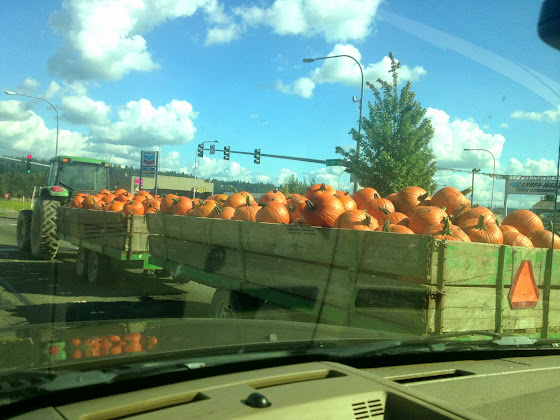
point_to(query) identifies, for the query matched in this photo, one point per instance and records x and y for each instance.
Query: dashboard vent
(368, 409)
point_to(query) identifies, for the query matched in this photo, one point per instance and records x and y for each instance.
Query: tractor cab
(70, 175)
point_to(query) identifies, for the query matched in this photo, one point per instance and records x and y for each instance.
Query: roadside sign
(7, 196)
(201, 190)
(148, 161)
(137, 181)
(333, 162)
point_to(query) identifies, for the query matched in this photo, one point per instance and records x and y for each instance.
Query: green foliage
(15, 181)
(395, 142)
(295, 186)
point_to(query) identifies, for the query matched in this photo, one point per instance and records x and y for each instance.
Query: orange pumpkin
(524, 220)
(425, 217)
(388, 227)
(273, 212)
(225, 213)
(319, 189)
(544, 239)
(295, 207)
(451, 199)
(166, 203)
(204, 208)
(273, 195)
(133, 207)
(180, 206)
(322, 210)
(409, 198)
(396, 218)
(247, 211)
(483, 232)
(356, 220)
(347, 201)
(517, 239)
(508, 228)
(363, 195)
(374, 207)
(448, 232)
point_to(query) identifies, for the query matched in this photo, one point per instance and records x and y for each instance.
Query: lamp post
(311, 60)
(195, 165)
(9, 92)
(493, 174)
(474, 171)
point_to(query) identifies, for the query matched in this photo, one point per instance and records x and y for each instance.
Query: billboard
(148, 161)
(531, 185)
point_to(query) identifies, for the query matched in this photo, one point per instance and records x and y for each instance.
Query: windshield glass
(356, 171)
(83, 176)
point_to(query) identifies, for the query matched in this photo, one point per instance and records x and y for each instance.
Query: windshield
(83, 176)
(317, 174)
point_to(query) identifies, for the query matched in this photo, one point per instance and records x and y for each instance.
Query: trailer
(384, 281)
(104, 238)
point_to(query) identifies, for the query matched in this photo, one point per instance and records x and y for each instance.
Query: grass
(14, 205)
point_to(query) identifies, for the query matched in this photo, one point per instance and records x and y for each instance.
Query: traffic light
(226, 152)
(28, 167)
(212, 149)
(200, 150)
(257, 156)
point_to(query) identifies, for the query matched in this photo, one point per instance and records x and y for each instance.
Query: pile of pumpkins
(446, 215)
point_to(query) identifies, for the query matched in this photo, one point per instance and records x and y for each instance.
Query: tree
(294, 186)
(395, 143)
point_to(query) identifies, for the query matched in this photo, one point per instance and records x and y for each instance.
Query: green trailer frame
(113, 234)
(392, 282)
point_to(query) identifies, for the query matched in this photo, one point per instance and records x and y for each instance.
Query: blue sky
(126, 78)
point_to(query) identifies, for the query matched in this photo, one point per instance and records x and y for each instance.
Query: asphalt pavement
(36, 292)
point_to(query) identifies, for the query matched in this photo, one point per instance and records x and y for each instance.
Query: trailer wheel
(44, 243)
(82, 258)
(23, 230)
(232, 304)
(97, 267)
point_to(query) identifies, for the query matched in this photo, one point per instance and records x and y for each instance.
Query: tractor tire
(82, 258)
(97, 267)
(44, 243)
(23, 230)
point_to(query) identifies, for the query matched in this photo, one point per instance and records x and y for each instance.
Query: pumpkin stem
(481, 225)
(467, 191)
(218, 209)
(234, 189)
(384, 210)
(323, 187)
(310, 204)
(423, 197)
(446, 227)
(386, 226)
(248, 200)
(201, 203)
(367, 220)
(291, 208)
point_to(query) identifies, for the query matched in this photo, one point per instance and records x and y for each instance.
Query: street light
(493, 174)
(195, 165)
(9, 92)
(311, 60)
(474, 171)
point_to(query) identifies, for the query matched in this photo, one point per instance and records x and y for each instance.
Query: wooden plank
(555, 269)
(138, 224)
(475, 298)
(155, 224)
(158, 247)
(471, 263)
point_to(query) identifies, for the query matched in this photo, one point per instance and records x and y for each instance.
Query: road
(34, 292)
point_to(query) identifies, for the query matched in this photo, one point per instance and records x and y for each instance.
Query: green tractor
(67, 176)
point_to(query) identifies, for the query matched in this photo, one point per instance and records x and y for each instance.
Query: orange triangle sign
(524, 292)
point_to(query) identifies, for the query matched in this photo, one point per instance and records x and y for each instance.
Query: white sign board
(531, 185)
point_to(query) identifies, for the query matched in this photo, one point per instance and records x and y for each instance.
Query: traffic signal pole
(301, 159)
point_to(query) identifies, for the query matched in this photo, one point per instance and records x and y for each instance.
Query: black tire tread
(24, 227)
(49, 243)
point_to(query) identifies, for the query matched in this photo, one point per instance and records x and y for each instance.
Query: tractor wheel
(23, 230)
(97, 267)
(44, 243)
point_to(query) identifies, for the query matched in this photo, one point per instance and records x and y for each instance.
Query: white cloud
(13, 111)
(451, 137)
(139, 123)
(28, 86)
(104, 39)
(345, 70)
(531, 167)
(504, 125)
(335, 21)
(551, 116)
(79, 109)
(223, 34)
(52, 90)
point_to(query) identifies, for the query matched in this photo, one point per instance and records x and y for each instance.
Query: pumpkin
(273, 195)
(78, 200)
(99, 205)
(408, 198)
(472, 213)
(448, 232)
(544, 238)
(180, 206)
(105, 191)
(451, 199)
(140, 198)
(238, 199)
(391, 197)
(517, 239)
(290, 197)
(219, 198)
(508, 228)
(108, 198)
(396, 218)
(295, 207)
(273, 212)
(363, 195)
(88, 201)
(347, 201)
(483, 232)
(225, 213)
(115, 206)
(388, 227)
(120, 191)
(151, 210)
(465, 224)
(204, 208)
(124, 197)
(153, 203)
(166, 203)
(374, 206)
(133, 207)
(319, 189)
(524, 220)
(425, 217)
(356, 220)
(247, 211)
(322, 210)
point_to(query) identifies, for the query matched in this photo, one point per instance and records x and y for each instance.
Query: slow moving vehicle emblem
(524, 292)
